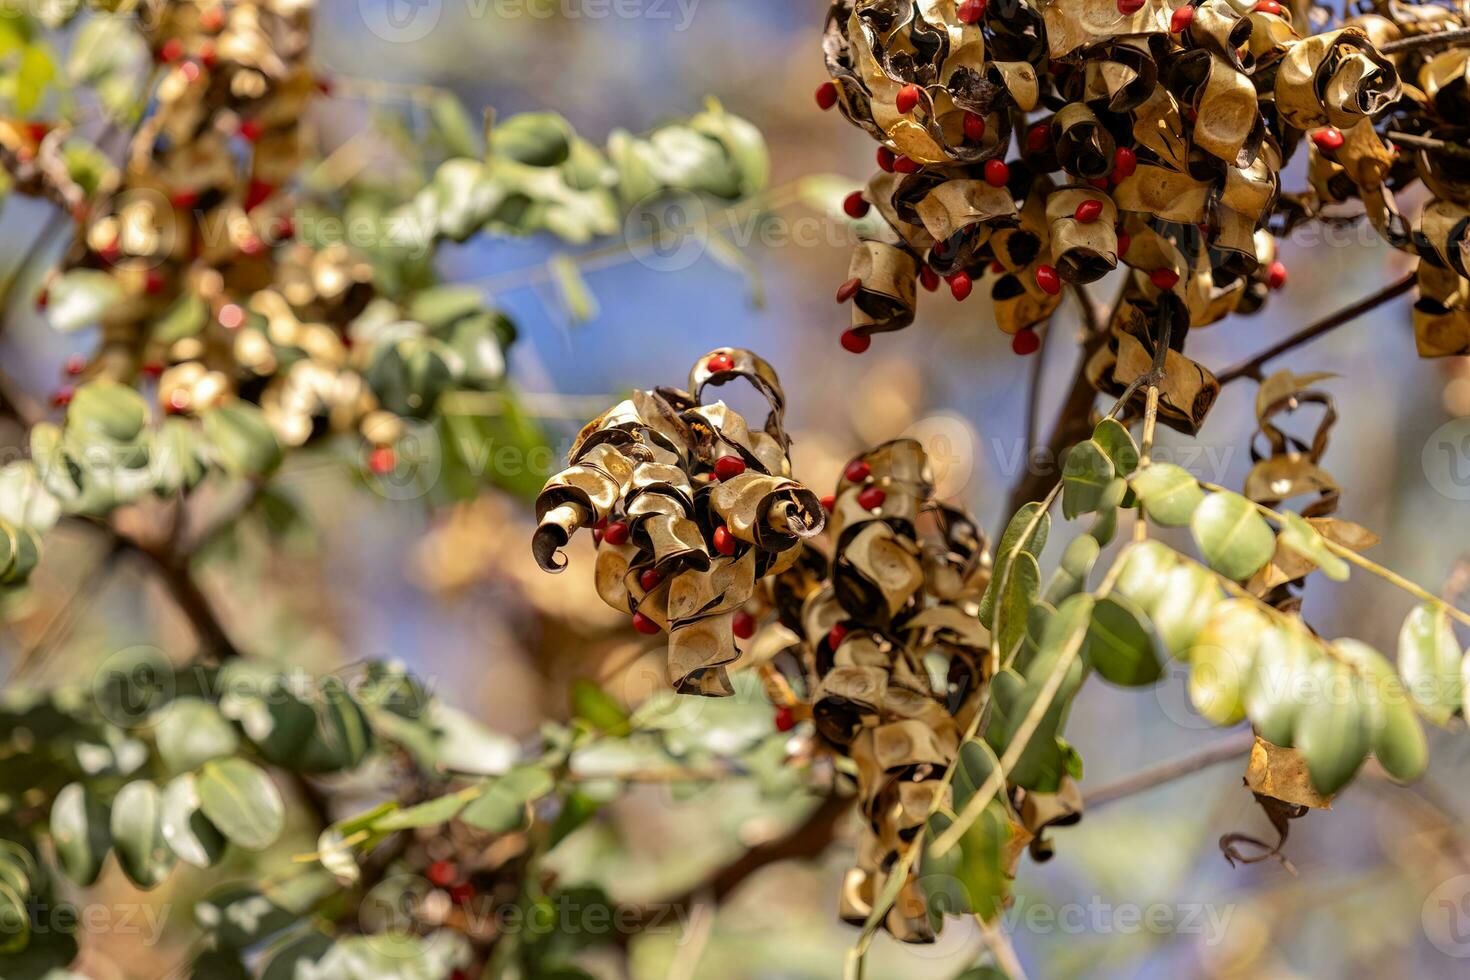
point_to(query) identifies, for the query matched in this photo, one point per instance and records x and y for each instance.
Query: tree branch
(1224, 750)
(1252, 367)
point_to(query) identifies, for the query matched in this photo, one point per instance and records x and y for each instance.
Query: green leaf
(983, 871)
(1179, 613)
(79, 297)
(137, 834)
(1118, 444)
(1220, 660)
(184, 319)
(1121, 643)
(15, 921)
(190, 732)
(1394, 732)
(1302, 538)
(453, 125)
(1071, 575)
(502, 807)
(1169, 493)
(1332, 727)
(1010, 540)
(1234, 539)
(1145, 572)
(1278, 682)
(1086, 472)
(974, 766)
(576, 297)
(240, 799)
(539, 139)
(106, 411)
(79, 831)
(1021, 589)
(341, 738)
(1429, 659)
(241, 440)
(186, 829)
(1105, 524)
(428, 814)
(595, 706)
(295, 958)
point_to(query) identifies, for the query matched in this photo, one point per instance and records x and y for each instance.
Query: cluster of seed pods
(690, 509)
(1041, 143)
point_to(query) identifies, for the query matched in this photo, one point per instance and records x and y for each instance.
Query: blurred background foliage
(454, 595)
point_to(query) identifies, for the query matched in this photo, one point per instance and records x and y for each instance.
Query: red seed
(1268, 7)
(152, 369)
(251, 130)
(43, 299)
(1328, 139)
(997, 173)
(285, 229)
(1182, 18)
(1048, 280)
(616, 533)
(1088, 211)
(974, 127)
(1276, 275)
(597, 536)
(724, 541)
(827, 95)
(110, 252)
(828, 502)
(462, 894)
(37, 131)
(382, 460)
(644, 625)
(854, 342)
(178, 402)
(836, 635)
(183, 200)
(784, 718)
(886, 157)
(1025, 342)
(76, 364)
(855, 205)
(729, 467)
(903, 165)
(849, 289)
(212, 19)
(1164, 278)
(743, 625)
(191, 71)
(971, 11)
(62, 396)
(907, 99)
(231, 316)
(256, 193)
(1124, 240)
(154, 282)
(857, 471)
(1038, 138)
(440, 874)
(929, 279)
(1129, 7)
(719, 362)
(649, 578)
(960, 286)
(1125, 161)
(997, 267)
(1101, 183)
(207, 55)
(871, 498)
(172, 50)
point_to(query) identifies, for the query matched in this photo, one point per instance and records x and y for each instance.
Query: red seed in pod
(1183, 17)
(1164, 278)
(462, 894)
(1038, 138)
(828, 502)
(1276, 275)
(1267, 7)
(784, 719)
(857, 471)
(62, 396)
(1025, 342)
(836, 635)
(1101, 183)
(440, 874)
(212, 19)
(725, 542)
(382, 460)
(76, 364)
(743, 625)
(997, 174)
(855, 205)
(1328, 138)
(251, 130)
(928, 278)
(854, 342)
(153, 282)
(1124, 240)
(849, 289)
(649, 578)
(1048, 280)
(1129, 7)
(719, 362)
(960, 286)
(729, 467)
(183, 200)
(172, 50)
(827, 95)
(1125, 161)
(903, 165)
(152, 369)
(616, 533)
(1088, 211)
(885, 159)
(970, 11)
(997, 267)
(871, 498)
(907, 99)
(644, 625)
(974, 127)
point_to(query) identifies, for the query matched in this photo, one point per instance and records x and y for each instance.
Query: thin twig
(60, 624)
(1224, 750)
(1434, 40)
(1252, 367)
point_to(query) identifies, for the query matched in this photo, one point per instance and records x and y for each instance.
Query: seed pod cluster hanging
(1037, 143)
(690, 508)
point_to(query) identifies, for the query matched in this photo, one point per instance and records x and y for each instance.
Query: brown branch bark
(1232, 747)
(1073, 424)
